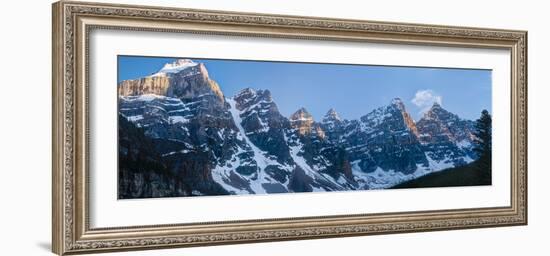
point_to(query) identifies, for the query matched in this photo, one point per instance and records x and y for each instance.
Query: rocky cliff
(182, 78)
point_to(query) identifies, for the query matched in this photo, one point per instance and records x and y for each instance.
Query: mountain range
(179, 135)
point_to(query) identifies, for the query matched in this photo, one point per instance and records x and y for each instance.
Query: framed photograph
(179, 127)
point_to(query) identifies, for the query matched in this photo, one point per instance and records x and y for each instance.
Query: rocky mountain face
(446, 136)
(180, 136)
(182, 79)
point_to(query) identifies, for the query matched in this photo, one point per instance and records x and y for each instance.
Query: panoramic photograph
(213, 127)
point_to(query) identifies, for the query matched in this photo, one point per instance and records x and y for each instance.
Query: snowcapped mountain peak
(181, 78)
(397, 102)
(438, 126)
(301, 115)
(247, 95)
(178, 66)
(331, 116)
(393, 116)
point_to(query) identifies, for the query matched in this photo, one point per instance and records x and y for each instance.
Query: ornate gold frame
(72, 21)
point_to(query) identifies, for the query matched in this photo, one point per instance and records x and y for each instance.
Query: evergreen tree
(483, 144)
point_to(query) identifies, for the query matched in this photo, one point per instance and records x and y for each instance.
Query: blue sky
(353, 90)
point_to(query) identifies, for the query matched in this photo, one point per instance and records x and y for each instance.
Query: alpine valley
(179, 135)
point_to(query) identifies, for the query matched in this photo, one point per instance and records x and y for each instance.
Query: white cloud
(424, 99)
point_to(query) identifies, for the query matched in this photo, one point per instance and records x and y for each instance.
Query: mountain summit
(176, 66)
(446, 136)
(182, 78)
(302, 120)
(437, 121)
(301, 115)
(435, 111)
(331, 116)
